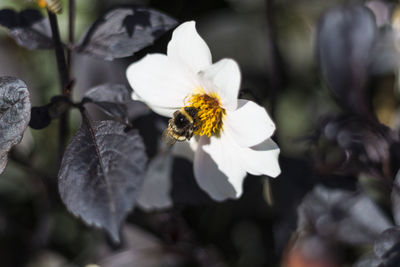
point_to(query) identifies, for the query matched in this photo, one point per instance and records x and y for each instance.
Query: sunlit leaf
(122, 31)
(101, 171)
(345, 40)
(15, 110)
(28, 27)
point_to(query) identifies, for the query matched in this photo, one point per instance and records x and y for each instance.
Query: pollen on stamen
(41, 3)
(209, 115)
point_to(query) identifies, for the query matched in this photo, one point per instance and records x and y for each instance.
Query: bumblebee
(181, 126)
(54, 6)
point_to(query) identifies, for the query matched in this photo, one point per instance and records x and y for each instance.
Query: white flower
(233, 134)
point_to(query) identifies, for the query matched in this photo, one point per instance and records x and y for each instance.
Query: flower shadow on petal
(210, 178)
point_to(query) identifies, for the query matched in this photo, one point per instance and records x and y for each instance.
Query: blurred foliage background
(274, 43)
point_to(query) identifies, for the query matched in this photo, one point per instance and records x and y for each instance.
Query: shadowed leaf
(113, 99)
(28, 27)
(155, 192)
(363, 143)
(15, 110)
(345, 40)
(185, 189)
(40, 117)
(124, 30)
(101, 171)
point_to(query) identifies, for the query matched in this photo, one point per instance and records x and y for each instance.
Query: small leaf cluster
(340, 216)
(103, 165)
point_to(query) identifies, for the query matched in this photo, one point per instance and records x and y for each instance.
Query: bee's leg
(170, 122)
(190, 132)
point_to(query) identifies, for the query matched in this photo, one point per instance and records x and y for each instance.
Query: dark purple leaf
(343, 215)
(386, 252)
(113, 99)
(387, 241)
(396, 199)
(170, 180)
(137, 109)
(15, 113)
(40, 117)
(101, 171)
(11, 19)
(345, 39)
(124, 30)
(387, 247)
(155, 192)
(363, 143)
(140, 249)
(185, 189)
(385, 58)
(28, 27)
(368, 261)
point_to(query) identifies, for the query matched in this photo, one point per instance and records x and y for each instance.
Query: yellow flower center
(209, 113)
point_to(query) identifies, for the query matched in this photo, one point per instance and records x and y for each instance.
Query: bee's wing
(167, 138)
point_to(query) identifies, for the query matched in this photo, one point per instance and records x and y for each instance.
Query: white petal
(188, 48)
(161, 83)
(166, 112)
(250, 124)
(262, 159)
(136, 97)
(223, 78)
(155, 191)
(217, 170)
(194, 142)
